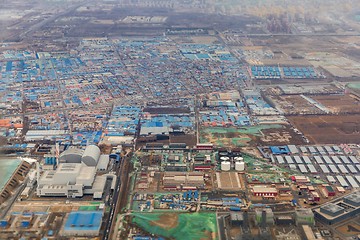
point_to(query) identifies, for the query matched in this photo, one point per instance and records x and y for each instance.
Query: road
(119, 196)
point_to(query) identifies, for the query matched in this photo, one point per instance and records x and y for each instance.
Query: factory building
(346, 208)
(264, 191)
(82, 223)
(264, 216)
(304, 216)
(183, 180)
(71, 155)
(75, 175)
(91, 155)
(70, 180)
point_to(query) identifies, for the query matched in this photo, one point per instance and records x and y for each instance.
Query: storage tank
(224, 158)
(239, 166)
(91, 155)
(238, 159)
(225, 166)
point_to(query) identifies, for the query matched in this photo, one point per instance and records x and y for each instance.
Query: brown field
(340, 103)
(167, 221)
(329, 129)
(349, 229)
(228, 181)
(295, 104)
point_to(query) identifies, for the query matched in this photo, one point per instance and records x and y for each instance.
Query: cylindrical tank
(225, 166)
(224, 158)
(238, 159)
(239, 166)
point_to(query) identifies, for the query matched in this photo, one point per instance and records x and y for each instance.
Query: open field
(264, 134)
(295, 104)
(178, 226)
(340, 103)
(228, 181)
(349, 229)
(329, 129)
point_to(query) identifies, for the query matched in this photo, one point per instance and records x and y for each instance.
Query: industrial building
(183, 180)
(72, 178)
(83, 223)
(267, 192)
(304, 216)
(264, 215)
(334, 212)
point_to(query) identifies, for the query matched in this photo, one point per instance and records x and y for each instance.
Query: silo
(238, 159)
(225, 166)
(239, 166)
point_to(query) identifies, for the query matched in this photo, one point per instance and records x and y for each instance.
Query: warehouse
(70, 180)
(318, 160)
(343, 169)
(264, 191)
(329, 150)
(352, 181)
(312, 150)
(298, 160)
(329, 191)
(280, 159)
(324, 169)
(345, 159)
(354, 159)
(289, 159)
(352, 169)
(312, 168)
(83, 223)
(303, 150)
(342, 181)
(306, 159)
(293, 149)
(336, 160)
(327, 159)
(302, 168)
(183, 180)
(331, 179)
(333, 168)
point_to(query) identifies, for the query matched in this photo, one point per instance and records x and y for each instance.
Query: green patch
(178, 226)
(355, 86)
(88, 208)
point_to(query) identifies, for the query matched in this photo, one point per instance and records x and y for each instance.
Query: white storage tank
(238, 159)
(224, 158)
(225, 166)
(239, 166)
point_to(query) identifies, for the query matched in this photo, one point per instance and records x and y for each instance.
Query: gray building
(91, 155)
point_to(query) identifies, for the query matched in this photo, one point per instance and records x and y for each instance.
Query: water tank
(239, 166)
(225, 166)
(91, 155)
(224, 158)
(238, 159)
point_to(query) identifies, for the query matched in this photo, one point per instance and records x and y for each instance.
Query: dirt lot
(340, 104)
(228, 181)
(329, 129)
(295, 104)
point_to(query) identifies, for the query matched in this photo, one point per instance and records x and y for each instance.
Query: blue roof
(83, 221)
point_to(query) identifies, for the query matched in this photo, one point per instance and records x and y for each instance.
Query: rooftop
(83, 221)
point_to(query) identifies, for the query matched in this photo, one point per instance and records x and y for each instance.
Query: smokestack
(57, 150)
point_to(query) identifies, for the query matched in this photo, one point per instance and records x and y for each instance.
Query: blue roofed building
(83, 223)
